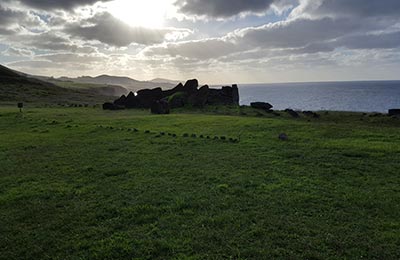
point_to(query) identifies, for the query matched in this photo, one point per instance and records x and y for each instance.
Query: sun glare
(143, 13)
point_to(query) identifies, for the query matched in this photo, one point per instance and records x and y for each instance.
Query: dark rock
(261, 105)
(199, 99)
(311, 114)
(131, 101)
(292, 113)
(191, 86)
(394, 112)
(160, 107)
(235, 94)
(177, 100)
(111, 106)
(180, 95)
(178, 88)
(224, 96)
(283, 137)
(120, 101)
(147, 97)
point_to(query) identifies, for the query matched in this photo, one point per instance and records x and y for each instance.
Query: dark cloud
(361, 8)
(222, 8)
(56, 4)
(109, 30)
(10, 17)
(371, 41)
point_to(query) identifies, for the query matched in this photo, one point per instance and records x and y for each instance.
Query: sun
(140, 13)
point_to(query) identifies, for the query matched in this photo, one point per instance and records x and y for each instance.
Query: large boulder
(261, 105)
(111, 106)
(146, 97)
(191, 86)
(177, 100)
(199, 98)
(292, 113)
(120, 101)
(170, 92)
(131, 101)
(394, 112)
(160, 107)
(235, 94)
(225, 96)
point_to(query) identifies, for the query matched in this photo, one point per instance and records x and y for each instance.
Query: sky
(216, 41)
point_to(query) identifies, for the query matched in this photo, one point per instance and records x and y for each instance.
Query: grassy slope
(70, 189)
(18, 88)
(100, 89)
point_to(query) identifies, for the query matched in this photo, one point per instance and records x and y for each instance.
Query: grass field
(81, 183)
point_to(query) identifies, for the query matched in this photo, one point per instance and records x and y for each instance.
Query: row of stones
(185, 135)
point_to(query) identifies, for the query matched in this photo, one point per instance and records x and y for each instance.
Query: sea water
(362, 96)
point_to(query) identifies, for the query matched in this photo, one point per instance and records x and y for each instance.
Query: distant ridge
(18, 87)
(126, 82)
(165, 81)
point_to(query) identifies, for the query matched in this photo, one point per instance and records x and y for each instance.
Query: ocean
(361, 96)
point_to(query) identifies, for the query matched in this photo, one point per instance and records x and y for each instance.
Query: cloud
(371, 41)
(354, 9)
(11, 21)
(73, 58)
(56, 4)
(360, 8)
(222, 8)
(293, 36)
(200, 49)
(297, 33)
(11, 51)
(107, 29)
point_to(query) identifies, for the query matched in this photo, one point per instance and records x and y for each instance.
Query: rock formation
(394, 112)
(261, 105)
(160, 107)
(179, 96)
(292, 113)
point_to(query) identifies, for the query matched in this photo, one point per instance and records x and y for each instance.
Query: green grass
(73, 188)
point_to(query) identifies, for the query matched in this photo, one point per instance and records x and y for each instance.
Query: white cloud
(107, 29)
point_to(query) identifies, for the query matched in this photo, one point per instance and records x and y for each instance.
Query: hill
(165, 81)
(126, 82)
(18, 87)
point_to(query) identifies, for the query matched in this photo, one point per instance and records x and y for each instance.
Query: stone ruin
(161, 101)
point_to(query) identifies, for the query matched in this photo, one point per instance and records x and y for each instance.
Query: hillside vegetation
(15, 87)
(82, 183)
